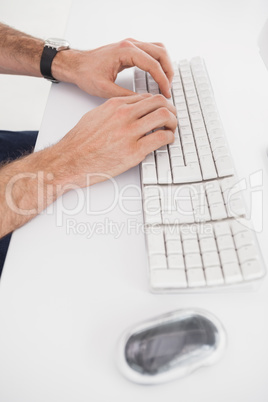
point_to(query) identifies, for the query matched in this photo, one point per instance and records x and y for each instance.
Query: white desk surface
(65, 298)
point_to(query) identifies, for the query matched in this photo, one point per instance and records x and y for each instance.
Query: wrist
(65, 65)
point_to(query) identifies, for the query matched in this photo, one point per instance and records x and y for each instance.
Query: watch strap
(46, 61)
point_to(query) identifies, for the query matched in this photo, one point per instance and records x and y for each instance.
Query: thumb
(111, 90)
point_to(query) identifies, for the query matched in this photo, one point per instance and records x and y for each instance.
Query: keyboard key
(228, 256)
(196, 277)
(155, 240)
(149, 159)
(189, 148)
(239, 226)
(172, 232)
(152, 205)
(175, 261)
(201, 214)
(191, 157)
(205, 150)
(210, 259)
(175, 143)
(212, 186)
(203, 142)
(193, 261)
(220, 152)
(177, 161)
(153, 219)
(162, 149)
(252, 270)
(199, 132)
(188, 234)
(186, 174)
(171, 218)
(205, 231)
(208, 167)
(247, 253)
(148, 173)
(225, 242)
(217, 211)
(150, 191)
(232, 273)
(208, 244)
(232, 194)
(225, 166)
(175, 151)
(190, 246)
(243, 239)
(236, 208)
(214, 276)
(196, 116)
(168, 278)
(228, 183)
(173, 247)
(158, 261)
(217, 143)
(222, 228)
(215, 197)
(163, 168)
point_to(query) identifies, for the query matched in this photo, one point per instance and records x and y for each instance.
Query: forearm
(29, 185)
(19, 53)
(93, 71)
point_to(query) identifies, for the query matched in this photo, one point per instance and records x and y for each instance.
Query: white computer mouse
(170, 346)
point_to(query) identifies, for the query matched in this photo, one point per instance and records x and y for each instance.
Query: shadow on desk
(13, 145)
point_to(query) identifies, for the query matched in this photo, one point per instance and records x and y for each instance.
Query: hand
(106, 141)
(111, 138)
(95, 71)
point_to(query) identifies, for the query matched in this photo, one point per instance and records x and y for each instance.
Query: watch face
(59, 44)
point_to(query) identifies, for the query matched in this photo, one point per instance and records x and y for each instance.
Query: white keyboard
(197, 236)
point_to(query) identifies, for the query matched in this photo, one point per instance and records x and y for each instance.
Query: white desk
(63, 303)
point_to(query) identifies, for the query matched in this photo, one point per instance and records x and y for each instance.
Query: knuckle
(162, 51)
(164, 113)
(130, 40)
(163, 136)
(170, 137)
(121, 112)
(114, 102)
(160, 98)
(125, 43)
(160, 44)
(174, 109)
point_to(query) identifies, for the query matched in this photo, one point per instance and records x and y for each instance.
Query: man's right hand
(111, 138)
(106, 141)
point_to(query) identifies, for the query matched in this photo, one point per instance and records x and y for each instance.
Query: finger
(113, 90)
(157, 139)
(159, 53)
(158, 44)
(133, 56)
(161, 117)
(135, 98)
(148, 105)
(119, 101)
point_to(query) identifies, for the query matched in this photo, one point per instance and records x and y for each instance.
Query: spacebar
(186, 174)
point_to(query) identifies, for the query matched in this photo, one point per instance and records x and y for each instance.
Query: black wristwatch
(51, 47)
